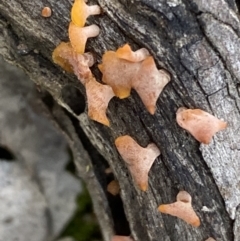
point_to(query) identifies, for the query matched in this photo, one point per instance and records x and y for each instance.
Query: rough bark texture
(197, 42)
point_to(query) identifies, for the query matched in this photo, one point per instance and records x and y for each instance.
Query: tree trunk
(197, 42)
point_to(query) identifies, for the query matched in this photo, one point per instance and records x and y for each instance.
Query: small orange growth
(113, 188)
(199, 123)
(182, 209)
(138, 159)
(46, 12)
(81, 11)
(126, 53)
(121, 238)
(78, 36)
(98, 97)
(125, 69)
(58, 59)
(210, 239)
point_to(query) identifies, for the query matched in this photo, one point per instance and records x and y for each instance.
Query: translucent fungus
(98, 97)
(182, 209)
(139, 159)
(81, 11)
(200, 124)
(78, 36)
(125, 69)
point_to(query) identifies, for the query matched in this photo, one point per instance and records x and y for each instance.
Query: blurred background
(41, 197)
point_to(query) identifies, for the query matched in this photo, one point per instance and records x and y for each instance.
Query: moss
(83, 226)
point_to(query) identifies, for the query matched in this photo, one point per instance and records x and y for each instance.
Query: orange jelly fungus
(46, 12)
(199, 123)
(81, 11)
(138, 159)
(121, 238)
(58, 59)
(149, 83)
(126, 53)
(113, 187)
(125, 69)
(98, 97)
(78, 36)
(118, 73)
(182, 209)
(69, 60)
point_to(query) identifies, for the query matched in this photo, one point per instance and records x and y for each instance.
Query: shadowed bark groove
(197, 42)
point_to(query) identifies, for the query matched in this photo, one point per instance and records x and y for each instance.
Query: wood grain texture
(197, 43)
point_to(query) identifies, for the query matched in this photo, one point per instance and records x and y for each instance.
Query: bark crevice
(202, 76)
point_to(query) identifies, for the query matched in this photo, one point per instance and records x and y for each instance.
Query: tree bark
(197, 42)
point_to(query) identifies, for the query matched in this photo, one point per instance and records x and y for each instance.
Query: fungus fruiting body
(199, 123)
(149, 83)
(126, 53)
(59, 59)
(46, 12)
(121, 238)
(139, 160)
(118, 73)
(182, 209)
(125, 69)
(113, 187)
(71, 57)
(81, 11)
(210, 239)
(69, 60)
(78, 36)
(98, 97)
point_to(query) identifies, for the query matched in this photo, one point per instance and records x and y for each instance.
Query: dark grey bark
(197, 42)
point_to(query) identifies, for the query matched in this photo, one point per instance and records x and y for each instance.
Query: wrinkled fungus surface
(200, 124)
(182, 209)
(139, 159)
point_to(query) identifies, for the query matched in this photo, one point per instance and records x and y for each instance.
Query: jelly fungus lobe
(98, 97)
(125, 69)
(182, 209)
(138, 159)
(78, 36)
(81, 11)
(200, 124)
